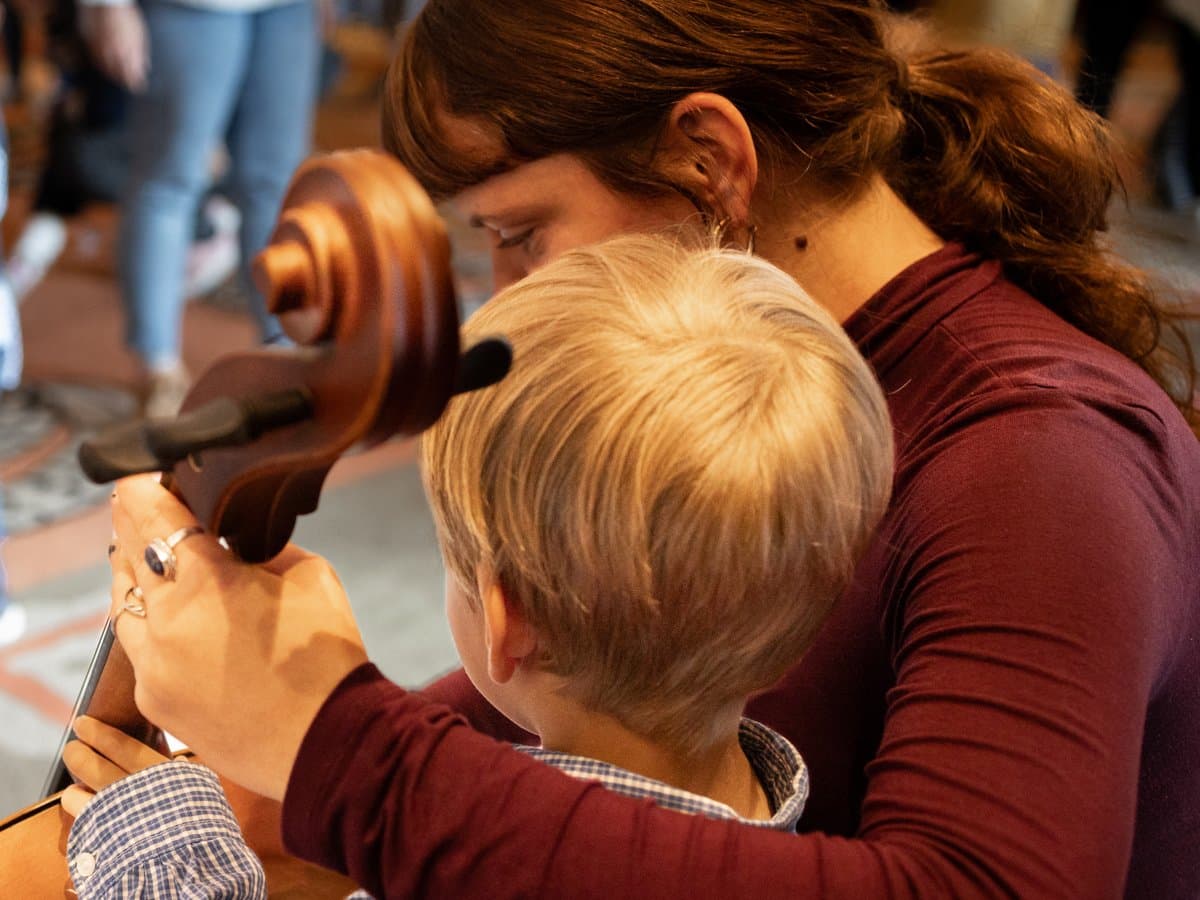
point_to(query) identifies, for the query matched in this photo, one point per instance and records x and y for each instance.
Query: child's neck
(719, 771)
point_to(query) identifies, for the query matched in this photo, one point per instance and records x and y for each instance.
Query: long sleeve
(456, 691)
(165, 832)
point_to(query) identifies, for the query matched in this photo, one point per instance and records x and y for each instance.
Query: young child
(644, 523)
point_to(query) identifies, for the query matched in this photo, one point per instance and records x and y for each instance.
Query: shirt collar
(778, 765)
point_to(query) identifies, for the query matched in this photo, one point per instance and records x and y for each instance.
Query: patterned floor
(50, 421)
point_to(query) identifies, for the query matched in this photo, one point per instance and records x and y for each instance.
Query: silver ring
(135, 604)
(160, 553)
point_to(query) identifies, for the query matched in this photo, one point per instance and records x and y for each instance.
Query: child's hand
(101, 756)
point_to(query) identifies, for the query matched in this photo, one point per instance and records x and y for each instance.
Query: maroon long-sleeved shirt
(1007, 702)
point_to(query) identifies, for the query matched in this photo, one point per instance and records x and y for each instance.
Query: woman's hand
(233, 659)
(101, 756)
(116, 38)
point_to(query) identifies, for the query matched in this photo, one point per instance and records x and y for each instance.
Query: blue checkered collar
(775, 761)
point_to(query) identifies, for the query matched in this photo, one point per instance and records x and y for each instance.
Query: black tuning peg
(157, 445)
(483, 365)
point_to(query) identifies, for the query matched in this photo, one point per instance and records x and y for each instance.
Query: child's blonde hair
(674, 482)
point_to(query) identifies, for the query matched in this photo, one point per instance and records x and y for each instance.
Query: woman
(1004, 702)
(201, 71)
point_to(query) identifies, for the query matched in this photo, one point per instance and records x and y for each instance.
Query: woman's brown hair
(985, 149)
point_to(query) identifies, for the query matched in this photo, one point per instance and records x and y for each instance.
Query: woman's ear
(708, 151)
(507, 635)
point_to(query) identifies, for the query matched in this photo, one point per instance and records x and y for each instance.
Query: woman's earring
(721, 226)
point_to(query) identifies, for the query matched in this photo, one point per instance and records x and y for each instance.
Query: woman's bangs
(417, 128)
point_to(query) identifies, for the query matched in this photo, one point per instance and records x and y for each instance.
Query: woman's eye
(516, 240)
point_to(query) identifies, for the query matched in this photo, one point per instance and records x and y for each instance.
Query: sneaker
(39, 245)
(222, 215)
(210, 263)
(10, 338)
(13, 622)
(164, 392)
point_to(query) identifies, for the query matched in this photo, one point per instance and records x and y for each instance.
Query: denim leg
(271, 129)
(198, 60)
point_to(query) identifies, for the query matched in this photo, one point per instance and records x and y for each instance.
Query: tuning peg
(483, 365)
(157, 445)
(226, 422)
(117, 452)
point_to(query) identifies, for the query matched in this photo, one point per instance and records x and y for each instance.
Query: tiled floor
(373, 523)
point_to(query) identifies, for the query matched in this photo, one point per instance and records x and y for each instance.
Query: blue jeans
(249, 77)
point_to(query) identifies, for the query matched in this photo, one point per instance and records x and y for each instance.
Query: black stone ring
(160, 553)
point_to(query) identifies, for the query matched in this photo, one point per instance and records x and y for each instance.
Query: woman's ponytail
(998, 156)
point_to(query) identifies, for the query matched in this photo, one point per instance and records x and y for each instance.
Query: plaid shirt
(168, 833)
(778, 765)
(164, 832)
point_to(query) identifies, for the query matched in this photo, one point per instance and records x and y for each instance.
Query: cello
(358, 273)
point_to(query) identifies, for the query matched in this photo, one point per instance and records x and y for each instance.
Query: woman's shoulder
(1000, 390)
(1000, 361)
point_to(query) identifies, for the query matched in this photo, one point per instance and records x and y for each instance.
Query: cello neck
(106, 694)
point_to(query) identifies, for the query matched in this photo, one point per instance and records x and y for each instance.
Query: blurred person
(1181, 147)
(1107, 32)
(1036, 29)
(88, 157)
(14, 48)
(12, 615)
(245, 69)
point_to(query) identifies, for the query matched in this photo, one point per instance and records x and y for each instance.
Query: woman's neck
(720, 771)
(843, 254)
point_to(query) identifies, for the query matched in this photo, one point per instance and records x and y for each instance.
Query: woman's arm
(456, 691)
(1042, 595)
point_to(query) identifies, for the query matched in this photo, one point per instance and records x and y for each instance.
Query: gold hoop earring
(722, 225)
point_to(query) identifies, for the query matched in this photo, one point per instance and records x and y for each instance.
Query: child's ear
(507, 634)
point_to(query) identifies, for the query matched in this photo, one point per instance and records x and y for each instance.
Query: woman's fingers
(129, 754)
(75, 798)
(143, 511)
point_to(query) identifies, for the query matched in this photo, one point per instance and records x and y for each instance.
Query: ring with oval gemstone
(160, 552)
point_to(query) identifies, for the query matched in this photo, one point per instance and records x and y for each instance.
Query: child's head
(674, 482)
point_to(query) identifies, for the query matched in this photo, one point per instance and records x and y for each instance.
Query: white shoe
(40, 244)
(164, 392)
(223, 216)
(12, 624)
(210, 263)
(11, 351)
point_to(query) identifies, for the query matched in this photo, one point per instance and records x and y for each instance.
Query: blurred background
(80, 174)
